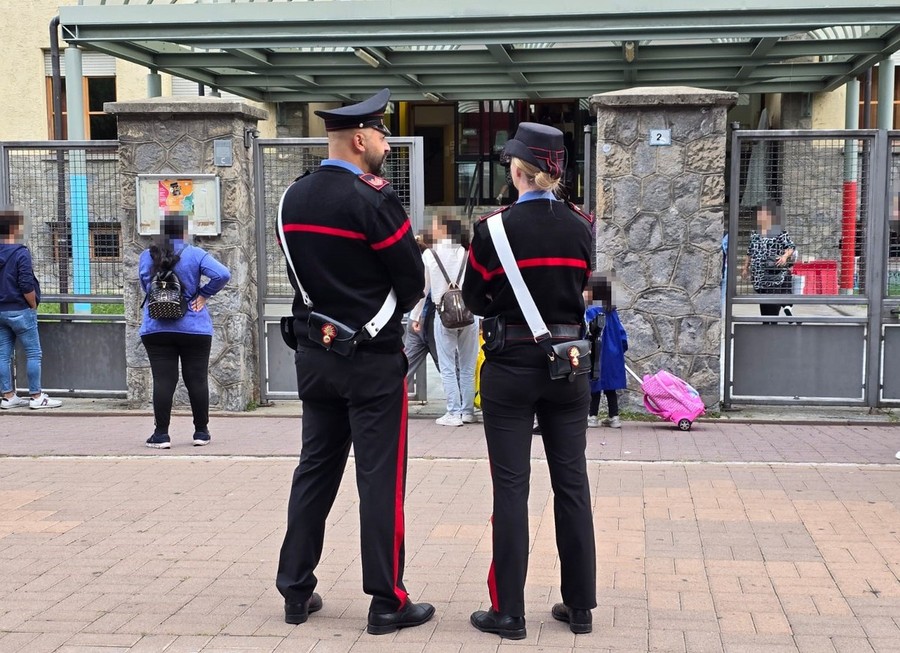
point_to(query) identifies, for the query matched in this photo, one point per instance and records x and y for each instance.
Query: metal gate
(70, 194)
(827, 332)
(277, 163)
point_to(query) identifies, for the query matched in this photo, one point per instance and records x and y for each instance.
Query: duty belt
(523, 332)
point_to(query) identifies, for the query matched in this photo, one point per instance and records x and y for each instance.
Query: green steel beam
(890, 44)
(680, 45)
(500, 53)
(254, 56)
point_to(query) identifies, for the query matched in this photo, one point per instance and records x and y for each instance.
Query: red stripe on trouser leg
(399, 524)
(492, 582)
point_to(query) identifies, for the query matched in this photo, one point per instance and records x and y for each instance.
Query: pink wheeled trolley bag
(673, 399)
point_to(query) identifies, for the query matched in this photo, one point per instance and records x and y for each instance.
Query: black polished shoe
(579, 620)
(412, 614)
(298, 613)
(488, 621)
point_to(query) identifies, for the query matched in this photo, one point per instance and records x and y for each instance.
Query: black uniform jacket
(551, 241)
(350, 241)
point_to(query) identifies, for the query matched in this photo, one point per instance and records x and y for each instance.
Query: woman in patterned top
(769, 257)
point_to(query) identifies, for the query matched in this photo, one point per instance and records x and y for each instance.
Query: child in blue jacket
(604, 328)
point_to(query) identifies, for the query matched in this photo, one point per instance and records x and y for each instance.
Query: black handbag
(165, 297)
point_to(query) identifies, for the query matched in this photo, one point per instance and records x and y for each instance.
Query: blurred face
(764, 219)
(376, 151)
(13, 228)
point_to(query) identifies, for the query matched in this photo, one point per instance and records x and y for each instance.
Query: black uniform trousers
(510, 397)
(359, 401)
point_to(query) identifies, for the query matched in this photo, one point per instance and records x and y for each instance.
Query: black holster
(287, 332)
(568, 359)
(493, 330)
(333, 335)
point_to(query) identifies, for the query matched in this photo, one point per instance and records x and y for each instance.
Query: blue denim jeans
(459, 347)
(22, 326)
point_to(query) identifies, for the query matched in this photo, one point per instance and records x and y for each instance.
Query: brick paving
(738, 537)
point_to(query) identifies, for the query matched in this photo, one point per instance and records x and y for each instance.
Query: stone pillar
(175, 136)
(660, 220)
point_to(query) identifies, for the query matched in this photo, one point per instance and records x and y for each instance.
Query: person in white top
(453, 345)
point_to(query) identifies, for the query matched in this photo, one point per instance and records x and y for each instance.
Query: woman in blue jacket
(613, 343)
(188, 338)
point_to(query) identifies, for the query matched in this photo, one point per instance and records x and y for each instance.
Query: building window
(98, 126)
(104, 240)
(98, 75)
(105, 243)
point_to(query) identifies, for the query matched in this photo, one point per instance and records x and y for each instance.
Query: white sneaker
(449, 419)
(469, 418)
(43, 401)
(13, 402)
(612, 422)
(593, 421)
(897, 456)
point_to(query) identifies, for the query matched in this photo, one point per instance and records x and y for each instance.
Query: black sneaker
(159, 441)
(201, 438)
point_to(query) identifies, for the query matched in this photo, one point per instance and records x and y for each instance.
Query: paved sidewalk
(735, 536)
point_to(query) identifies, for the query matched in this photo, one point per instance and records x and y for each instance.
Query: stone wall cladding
(153, 140)
(660, 216)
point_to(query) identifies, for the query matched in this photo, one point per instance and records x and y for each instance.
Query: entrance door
(433, 151)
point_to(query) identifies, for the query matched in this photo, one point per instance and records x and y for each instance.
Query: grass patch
(632, 416)
(96, 309)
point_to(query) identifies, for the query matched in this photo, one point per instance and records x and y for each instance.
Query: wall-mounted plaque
(196, 197)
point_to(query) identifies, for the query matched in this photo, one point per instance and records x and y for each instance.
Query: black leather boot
(579, 620)
(488, 621)
(298, 613)
(411, 614)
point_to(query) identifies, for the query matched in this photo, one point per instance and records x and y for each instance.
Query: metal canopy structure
(453, 50)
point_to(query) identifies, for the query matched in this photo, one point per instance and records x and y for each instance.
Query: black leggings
(612, 402)
(164, 350)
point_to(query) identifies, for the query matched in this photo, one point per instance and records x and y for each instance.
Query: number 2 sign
(660, 137)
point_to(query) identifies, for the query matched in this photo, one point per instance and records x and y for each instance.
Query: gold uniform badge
(329, 331)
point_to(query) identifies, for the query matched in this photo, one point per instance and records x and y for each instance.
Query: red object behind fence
(820, 277)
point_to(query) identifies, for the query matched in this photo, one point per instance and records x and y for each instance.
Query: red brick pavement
(276, 432)
(706, 541)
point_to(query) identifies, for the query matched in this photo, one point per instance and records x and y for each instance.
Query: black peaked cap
(368, 113)
(540, 145)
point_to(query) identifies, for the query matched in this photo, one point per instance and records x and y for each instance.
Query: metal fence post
(876, 255)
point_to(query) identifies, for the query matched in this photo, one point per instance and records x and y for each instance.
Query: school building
(463, 73)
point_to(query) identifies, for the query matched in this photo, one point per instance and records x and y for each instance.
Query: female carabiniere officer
(551, 242)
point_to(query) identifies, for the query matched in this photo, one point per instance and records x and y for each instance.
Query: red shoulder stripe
(486, 274)
(327, 231)
(553, 262)
(390, 240)
(500, 210)
(546, 262)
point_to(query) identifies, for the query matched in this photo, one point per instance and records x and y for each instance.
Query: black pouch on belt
(568, 359)
(493, 330)
(332, 335)
(287, 332)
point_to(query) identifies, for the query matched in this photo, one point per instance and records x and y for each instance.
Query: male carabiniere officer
(348, 243)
